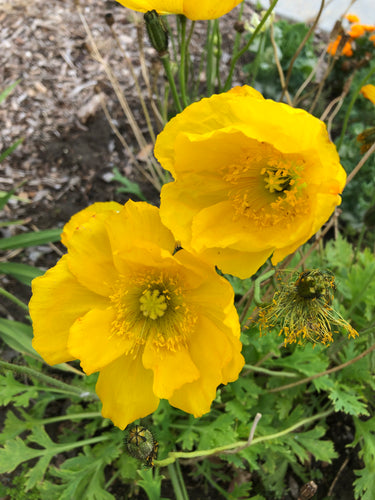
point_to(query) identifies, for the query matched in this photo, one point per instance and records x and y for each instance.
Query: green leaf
(188, 438)
(4, 94)
(129, 186)
(18, 336)
(14, 452)
(308, 360)
(21, 272)
(321, 449)
(30, 239)
(3, 155)
(364, 485)
(36, 473)
(83, 476)
(151, 482)
(12, 391)
(13, 427)
(218, 432)
(345, 399)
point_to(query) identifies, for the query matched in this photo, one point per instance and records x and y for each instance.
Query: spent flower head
(302, 309)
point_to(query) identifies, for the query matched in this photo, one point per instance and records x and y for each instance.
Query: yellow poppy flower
(155, 323)
(253, 177)
(201, 10)
(368, 91)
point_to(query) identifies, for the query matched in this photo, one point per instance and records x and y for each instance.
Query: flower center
(153, 304)
(277, 180)
(150, 306)
(266, 186)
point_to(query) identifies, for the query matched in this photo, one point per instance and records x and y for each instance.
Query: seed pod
(142, 445)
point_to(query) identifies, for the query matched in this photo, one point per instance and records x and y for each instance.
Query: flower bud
(157, 32)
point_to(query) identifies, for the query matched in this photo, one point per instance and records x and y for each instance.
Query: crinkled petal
(211, 351)
(125, 389)
(93, 341)
(216, 112)
(84, 215)
(57, 301)
(161, 6)
(324, 208)
(183, 198)
(137, 234)
(206, 9)
(90, 256)
(236, 262)
(368, 91)
(172, 369)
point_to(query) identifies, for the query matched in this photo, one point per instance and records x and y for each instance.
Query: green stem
(270, 372)
(235, 58)
(30, 372)
(217, 53)
(257, 282)
(258, 58)
(182, 69)
(167, 67)
(351, 104)
(213, 483)
(209, 58)
(181, 481)
(74, 416)
(175, 475)
(173, 456)
(14, 299)
(79, 444)
(238, 35)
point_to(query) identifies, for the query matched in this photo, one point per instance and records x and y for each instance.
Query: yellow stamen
(150, 307)
(267, 186)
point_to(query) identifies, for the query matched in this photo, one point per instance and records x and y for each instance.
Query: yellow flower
(367, 137)
(253, 177)
(368, 91)
(193, 9)
(154, 323)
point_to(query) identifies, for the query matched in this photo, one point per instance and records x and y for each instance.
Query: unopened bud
(109, 19)
(157, 32)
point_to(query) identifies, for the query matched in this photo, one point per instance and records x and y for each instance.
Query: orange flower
(357, 30)
(346, 50)
(352, 18)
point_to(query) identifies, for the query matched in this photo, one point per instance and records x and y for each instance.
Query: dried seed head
(142, 445)
(302, 309)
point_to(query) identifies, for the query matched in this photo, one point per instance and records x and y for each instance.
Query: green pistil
(277, 180)
(153, 304)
